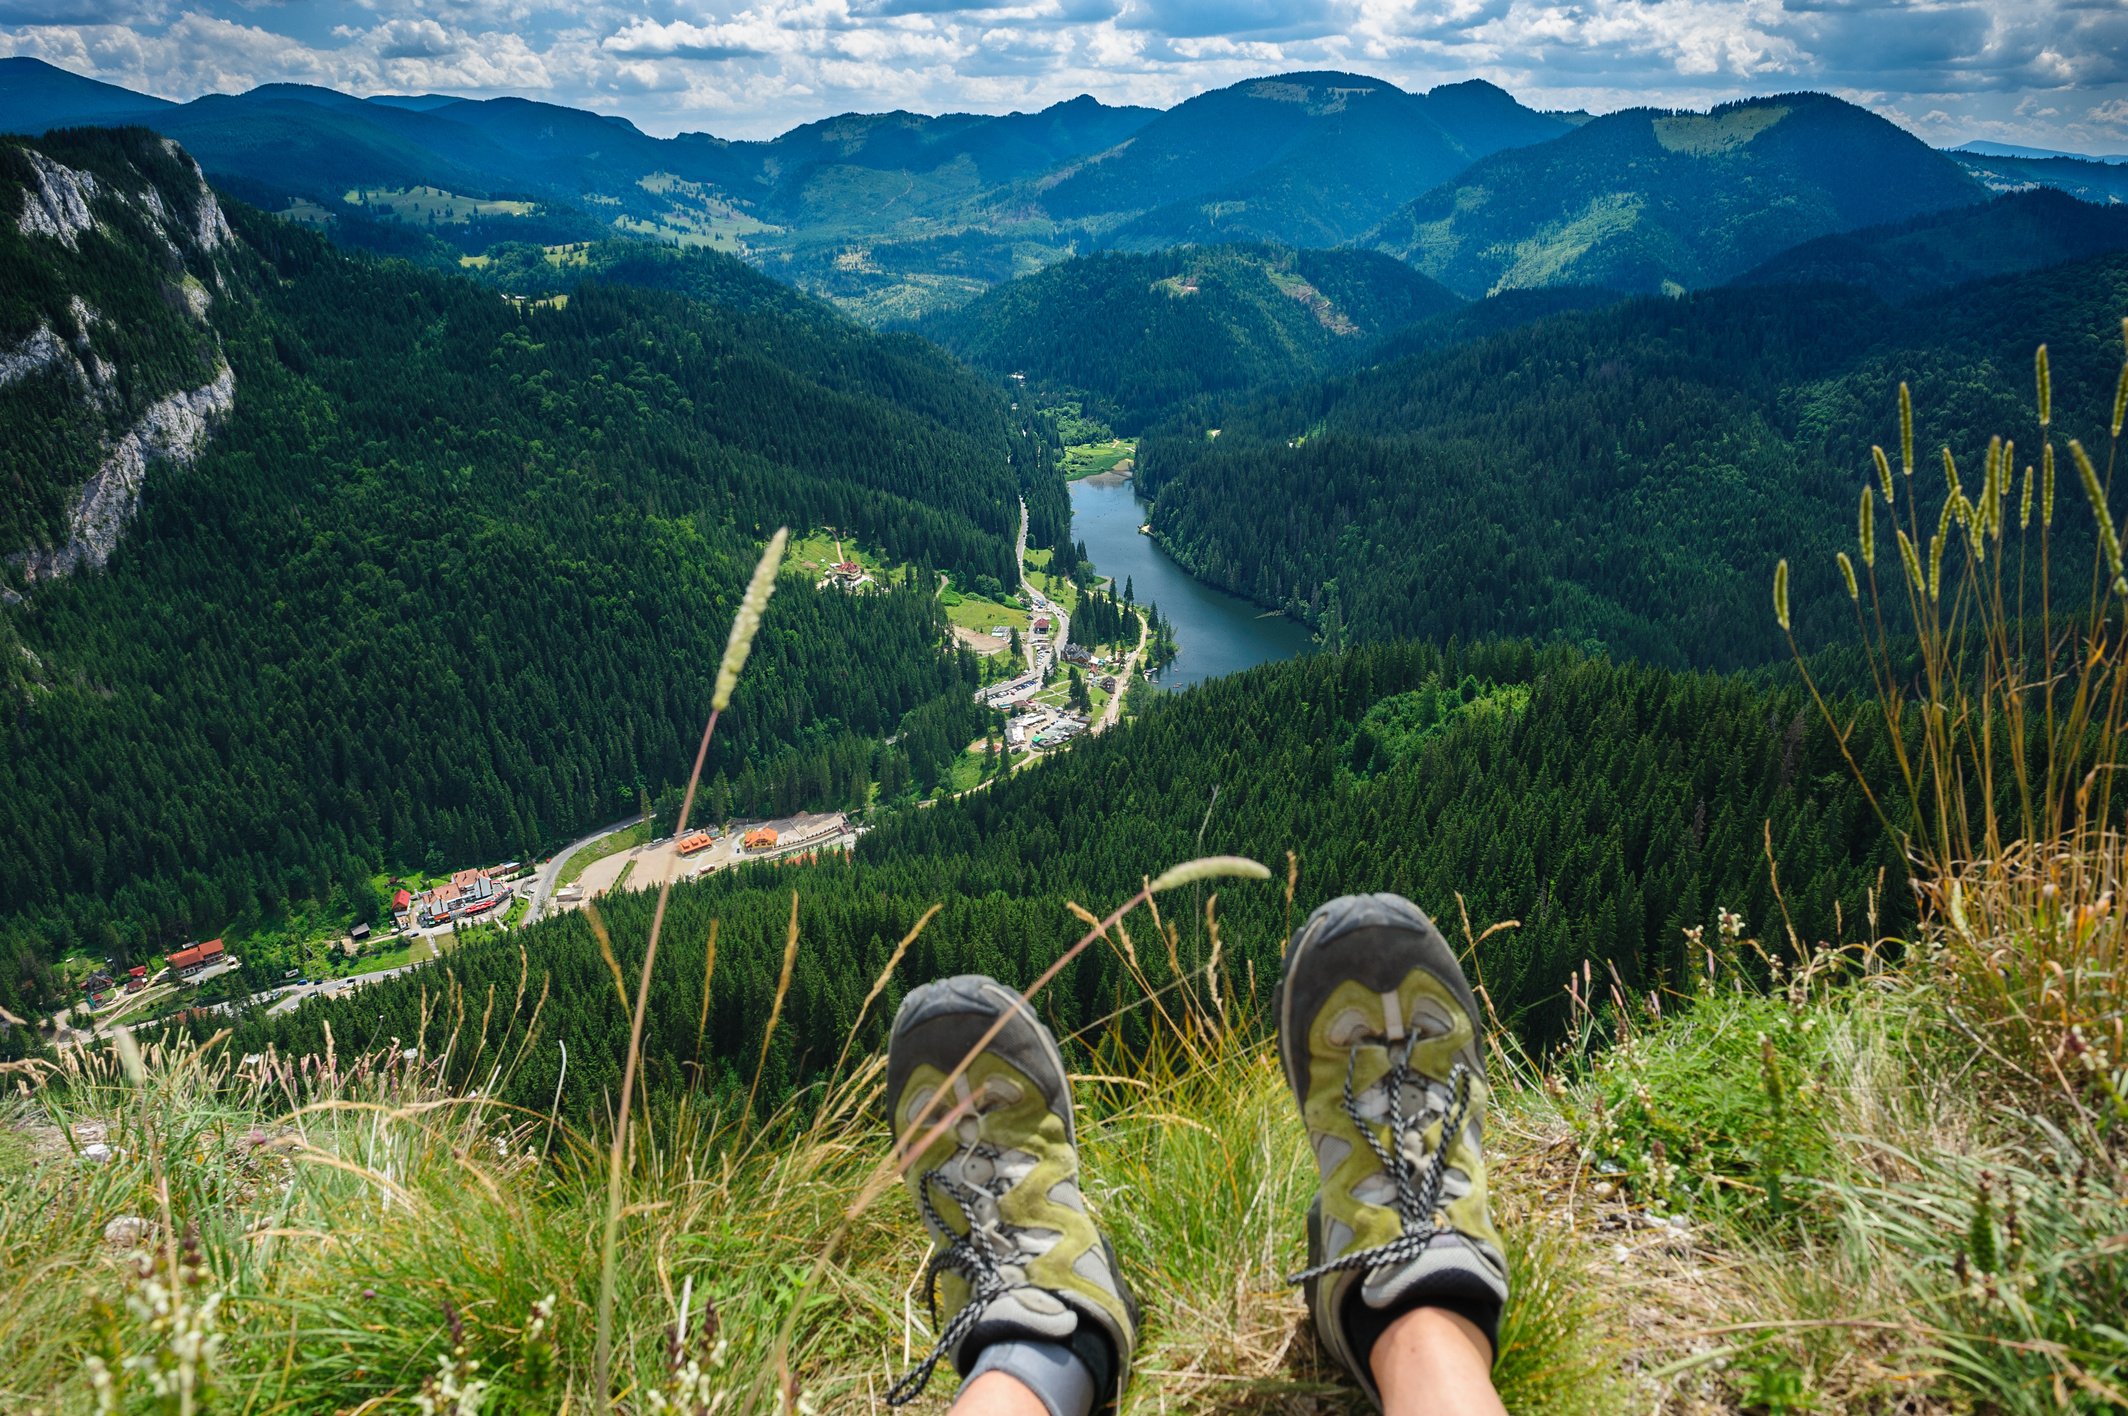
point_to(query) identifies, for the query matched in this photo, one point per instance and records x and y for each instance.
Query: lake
(1215, 633)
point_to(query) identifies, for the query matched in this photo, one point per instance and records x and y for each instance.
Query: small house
(359, 935)
(693, 843)
(761, 838)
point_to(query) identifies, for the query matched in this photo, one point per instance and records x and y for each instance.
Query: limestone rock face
(142, 232)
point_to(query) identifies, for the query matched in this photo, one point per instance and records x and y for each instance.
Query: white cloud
(2053, 72)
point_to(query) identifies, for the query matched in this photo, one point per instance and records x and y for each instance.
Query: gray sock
(1052, 1371)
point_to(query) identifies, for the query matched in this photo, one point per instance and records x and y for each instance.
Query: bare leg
(998, 1394)
(1430, 1362)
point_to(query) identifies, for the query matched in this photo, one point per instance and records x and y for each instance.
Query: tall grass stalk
(746, 622)
(2004, 739)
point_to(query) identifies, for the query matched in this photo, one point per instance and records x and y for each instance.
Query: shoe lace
(975, 1256)
(1418, 1183)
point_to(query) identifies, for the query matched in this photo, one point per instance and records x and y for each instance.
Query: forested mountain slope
(2026, 230)
(1604, 807)
(451, 576)
(1299, 159)
(1646, 200)
(106, 355)
(2080, 177)
(1136, 337)
(1625, 476)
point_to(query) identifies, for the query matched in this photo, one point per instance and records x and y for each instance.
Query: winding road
(543, 885)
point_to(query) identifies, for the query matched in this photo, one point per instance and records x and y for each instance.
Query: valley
(523, 642)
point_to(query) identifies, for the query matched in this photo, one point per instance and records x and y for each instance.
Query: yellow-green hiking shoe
(1378, 1032)
(1013, 1253)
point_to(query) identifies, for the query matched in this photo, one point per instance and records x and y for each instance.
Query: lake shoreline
(1215, 633)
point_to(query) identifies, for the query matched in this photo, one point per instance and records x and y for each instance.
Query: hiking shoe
(1013, 1253)
(1378, 1033)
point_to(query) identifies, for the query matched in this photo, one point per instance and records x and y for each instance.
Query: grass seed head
(2024, 503)
(2046, 484)
(2120, 400)
(1780, 593)
(2045, 381)
(1866, 529)
(1906, 429)
(1950, 476)
(747, 622)
(1935, 575)
(1208, 868)
(1884, 471)
(2108, 537)
(1847, 573)
(1913, 562)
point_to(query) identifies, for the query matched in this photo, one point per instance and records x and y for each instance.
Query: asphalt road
(544, 884)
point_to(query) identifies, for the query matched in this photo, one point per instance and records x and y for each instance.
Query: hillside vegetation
(447, 580)
(1310, 159)
(1139, 337)
(1648, 200)
(1602, 806)
(2027, 230)
(1614, 477)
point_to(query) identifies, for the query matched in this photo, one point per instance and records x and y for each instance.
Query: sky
(2050, 73)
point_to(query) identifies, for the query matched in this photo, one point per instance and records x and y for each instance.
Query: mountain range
(896, 215)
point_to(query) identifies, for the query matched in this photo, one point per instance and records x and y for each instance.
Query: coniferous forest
(1604, 807)
(451, 581)
(1621, 478)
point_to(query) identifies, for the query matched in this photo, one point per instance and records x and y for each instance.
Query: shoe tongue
(1026, 1314)
(1448, 1270)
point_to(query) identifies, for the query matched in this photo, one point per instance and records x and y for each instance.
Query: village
(1058, 691)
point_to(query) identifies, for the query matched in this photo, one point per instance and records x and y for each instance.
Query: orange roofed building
(760, 838)
(693, 842)
(190, 960)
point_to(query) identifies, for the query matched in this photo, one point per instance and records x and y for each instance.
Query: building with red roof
(188, 961)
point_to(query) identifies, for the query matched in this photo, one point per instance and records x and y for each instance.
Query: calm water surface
(1215, 633)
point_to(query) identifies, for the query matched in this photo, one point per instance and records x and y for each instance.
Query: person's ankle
(1055, 1374)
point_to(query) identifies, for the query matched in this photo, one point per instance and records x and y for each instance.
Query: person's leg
(1000, 1394)
(1429, 1362)
(1029, 1304)
(1379, 1037)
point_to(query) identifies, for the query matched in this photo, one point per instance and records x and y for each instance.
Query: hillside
(2027, 230)
(443, 576)
(103, 363)
(890, 215)
(1645, 200)
(1298, 159)
(1576, 796)
(1620, 478)
(2087, 180)
(1137, 337)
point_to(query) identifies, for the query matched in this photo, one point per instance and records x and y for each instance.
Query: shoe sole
(1415, 943)
(966, 1006)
